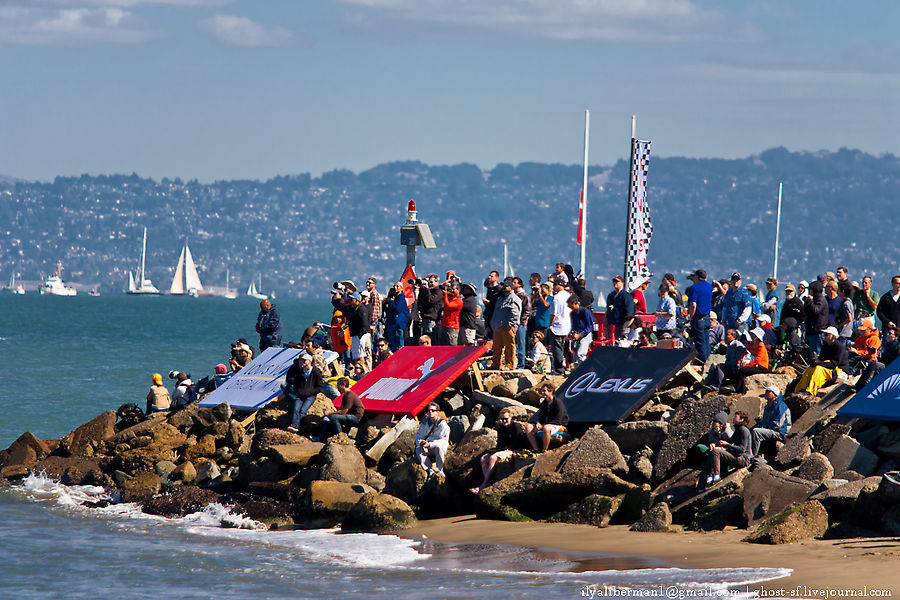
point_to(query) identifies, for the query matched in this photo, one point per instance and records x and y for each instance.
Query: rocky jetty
(830, 478)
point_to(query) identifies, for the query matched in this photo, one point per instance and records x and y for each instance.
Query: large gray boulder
(463, 463)
(378, 513)
(691, 422)
(341, 461)
(767, 492)
(803, 522)
(632, 436)
(658, 518)
(847, 454)
(330, 501)
(596, 510)
(816, 468)
(594, 449)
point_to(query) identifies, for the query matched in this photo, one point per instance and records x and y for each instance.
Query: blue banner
(879, 400)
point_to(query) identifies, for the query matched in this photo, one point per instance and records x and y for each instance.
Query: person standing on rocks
(158, 399)
(268, 325)
(550, 419)
(504, 324)
(700, 314)
(734, 453)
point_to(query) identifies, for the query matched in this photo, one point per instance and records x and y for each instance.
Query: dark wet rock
(341, 461)
(847, 454)
(719, 514)
(281, 492)
(545, 495)
(658, 518)
(767, 492)
(678, 488)
(330, 501)
(378, 513)
(816, 468)
(459, 425)
(140, 486)
(687, 510)
(632, 436)
(439, 498)
(799, 403)
(890, 521)
(463, 462)
(888, 444)
(823, 442)
(594, 449)
(265, 468)
(401, 449)
(803, 522)
(272, 513)
(88, 439)
(179, 501)
(594, 510)
(690, 423)
(405, 481)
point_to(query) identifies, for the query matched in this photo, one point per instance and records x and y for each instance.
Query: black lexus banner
(613, 382)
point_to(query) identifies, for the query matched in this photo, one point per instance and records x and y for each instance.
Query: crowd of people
(826, 327)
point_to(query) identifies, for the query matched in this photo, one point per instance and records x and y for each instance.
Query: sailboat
(229, 293)
(186, 280)
(143, 286)
(13, 287)
(55, 286)
(254, 293)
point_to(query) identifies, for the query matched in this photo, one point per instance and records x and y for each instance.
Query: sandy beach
(831, 565)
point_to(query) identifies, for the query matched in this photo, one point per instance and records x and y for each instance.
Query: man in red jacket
(450, 319)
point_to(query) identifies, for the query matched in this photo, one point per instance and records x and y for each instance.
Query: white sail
(251, 291)
(178, 281)
(192, 278)
(131, 287)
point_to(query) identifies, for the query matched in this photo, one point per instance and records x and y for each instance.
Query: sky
(233, 89)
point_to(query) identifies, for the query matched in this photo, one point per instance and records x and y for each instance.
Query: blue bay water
(68, 359)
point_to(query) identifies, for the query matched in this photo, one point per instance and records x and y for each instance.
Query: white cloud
(240, 31)
(37, 26)
(610, 20)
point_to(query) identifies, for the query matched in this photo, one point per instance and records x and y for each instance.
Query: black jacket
(793, 309)
(739, 444)
(304, 387)
(888, 311)
(431, 302)
(467, 313)
(836, 353)
(553, 413)
(815, 311)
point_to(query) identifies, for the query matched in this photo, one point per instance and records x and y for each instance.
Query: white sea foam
(385, 552)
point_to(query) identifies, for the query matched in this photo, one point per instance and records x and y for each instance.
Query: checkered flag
(640, 228)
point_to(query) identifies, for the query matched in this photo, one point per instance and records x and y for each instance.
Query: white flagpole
(777, 229)
(628, 231)
(505, 262)
(584, 193)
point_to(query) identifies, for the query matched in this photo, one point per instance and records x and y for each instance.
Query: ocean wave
(390, 552)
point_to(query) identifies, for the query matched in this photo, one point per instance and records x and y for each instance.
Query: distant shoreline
(846, 564)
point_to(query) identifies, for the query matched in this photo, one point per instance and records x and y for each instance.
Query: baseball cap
(617, 278)
(832, 330)
(764, 319)
(790, 288)
(804, 283)
(735, 276)
(355, 296)
(771, 388)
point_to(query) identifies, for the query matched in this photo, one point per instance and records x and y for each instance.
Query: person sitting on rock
(349, 415)
(158, 399)
(550, 419)
(184, 389)
(734, 351)
(866, 348)
(508, 435)
(775, 421)
(241, 355)
(539, 361)
(831, 365)
(734, 453)
(302, 386)
(719, 431)
(758, 363)
(716, 331)
(770, 338)
(432, 440)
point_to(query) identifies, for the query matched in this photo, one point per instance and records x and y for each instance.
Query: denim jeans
(394, 337)
(815, 344)
(330, 391)
(520, 346)
(334, 424)
(301, 407)
(700, 336)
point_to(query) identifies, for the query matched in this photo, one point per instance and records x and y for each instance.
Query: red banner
(408, 291)
(413, 376)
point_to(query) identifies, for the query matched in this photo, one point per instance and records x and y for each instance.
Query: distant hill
(302, 233)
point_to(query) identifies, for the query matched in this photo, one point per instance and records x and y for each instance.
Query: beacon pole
(415, 233)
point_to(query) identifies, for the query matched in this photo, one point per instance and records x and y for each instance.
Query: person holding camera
(431, 304)
(241, 355)
(468, 315)
(492, 294)
(453, 303)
